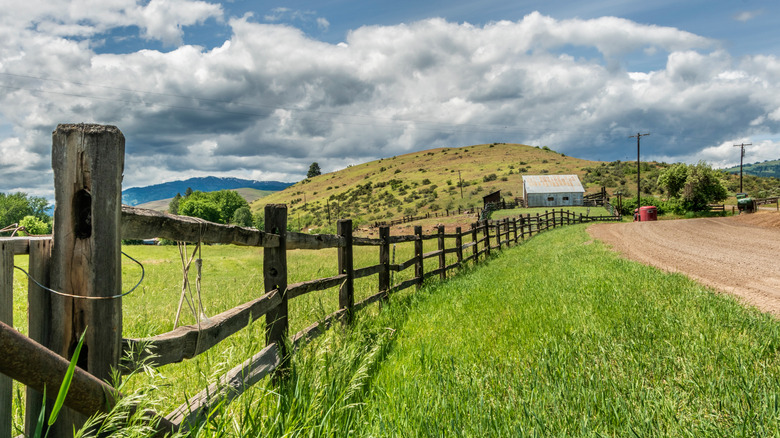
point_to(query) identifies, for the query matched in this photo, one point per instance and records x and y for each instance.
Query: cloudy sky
(260, 89)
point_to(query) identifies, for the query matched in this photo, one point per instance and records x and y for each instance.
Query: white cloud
(271, 100)
(746, 16)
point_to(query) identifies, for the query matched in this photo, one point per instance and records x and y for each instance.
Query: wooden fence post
(474, 238)
(275, 277)
(459, 246)
(486, 232)
(346, 266)
(514, 228)
(6, 316)
(498, 234)
(88, 161)
(442, 258)
(418, 254)
(38, 319)
(384, 260)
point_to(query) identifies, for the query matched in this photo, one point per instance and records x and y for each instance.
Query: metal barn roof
(552, 184)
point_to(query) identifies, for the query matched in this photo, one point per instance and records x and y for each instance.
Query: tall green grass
(556, 337)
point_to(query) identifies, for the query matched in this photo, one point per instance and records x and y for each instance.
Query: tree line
(24, 210)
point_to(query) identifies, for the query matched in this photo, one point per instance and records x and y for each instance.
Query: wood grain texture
(229, 386)
(6, 316)
(188, 341)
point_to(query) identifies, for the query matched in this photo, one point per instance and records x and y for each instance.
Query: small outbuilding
(494, 197)
(552, 191)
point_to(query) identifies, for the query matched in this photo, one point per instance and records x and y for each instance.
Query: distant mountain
(141, 195)
(766, 169)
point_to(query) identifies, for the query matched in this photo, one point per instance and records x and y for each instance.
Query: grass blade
(66, 382)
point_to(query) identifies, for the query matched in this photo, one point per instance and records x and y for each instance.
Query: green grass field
(555, 337)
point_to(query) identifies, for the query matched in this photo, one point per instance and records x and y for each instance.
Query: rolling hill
(769, 168)
(250, 195)
(141, 195)
(440, 179)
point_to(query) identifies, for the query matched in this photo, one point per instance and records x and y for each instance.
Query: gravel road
(738, 255)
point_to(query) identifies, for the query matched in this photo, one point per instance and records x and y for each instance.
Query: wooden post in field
(486, 232)
(88, 161)
(442, 258)
(275, 278)
(346, 266)
(384, 260)
(459, 246)
(418, 254)
(38, 319)
(6, 316)
(474, 238)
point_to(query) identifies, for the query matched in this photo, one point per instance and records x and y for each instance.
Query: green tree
(200, 207)
(673, 179)
(694, 185)
(702, 186)
(173, 206)
(188, 192)
(314, 170)
(35, 225)
(228, 202)
(242, 217)
(14, 207)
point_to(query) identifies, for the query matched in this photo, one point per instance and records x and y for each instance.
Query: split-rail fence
(81, 259)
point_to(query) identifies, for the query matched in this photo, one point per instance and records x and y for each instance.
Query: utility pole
(460, 183)
(638, 190)
(741, 156)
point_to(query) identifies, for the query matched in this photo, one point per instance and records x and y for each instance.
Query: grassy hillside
(251, 195)
(769, 168)
(428, 181)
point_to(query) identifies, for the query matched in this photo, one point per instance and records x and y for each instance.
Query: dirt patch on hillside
(737, 255)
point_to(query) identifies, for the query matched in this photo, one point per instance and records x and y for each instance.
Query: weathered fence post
(486, 232)
(459, 246)
(6, 316)
(498, 234)
(442, 258)
(88, 161)
(418, 254)
(275, 277)
(475, 238)
(384, 260)
(514, 228)
(346, 266)
(38, 319)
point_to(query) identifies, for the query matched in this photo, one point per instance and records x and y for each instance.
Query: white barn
(552, 191)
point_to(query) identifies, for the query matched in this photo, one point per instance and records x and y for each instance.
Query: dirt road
(738, 255)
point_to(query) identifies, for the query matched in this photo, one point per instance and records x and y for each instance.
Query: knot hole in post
(82, 214)
(273, 272)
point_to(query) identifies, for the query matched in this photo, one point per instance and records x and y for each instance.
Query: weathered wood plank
(469, 258)
(227, 388)
(384, 260)
(431, 254)
(313, 241)
(314, 330)
(6, 316)
(452, 266)
(304, 287)
(21, 245)
(88, 395)
(418, 255)
(366, 241)
(406, 264)
(38, 319)
(372, 299)
(442, 252)
(139, 223)
(368, 271)
(188, 341)
(404, 285)
(402, 239)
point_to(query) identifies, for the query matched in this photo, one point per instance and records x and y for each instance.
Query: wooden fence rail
(483, 238)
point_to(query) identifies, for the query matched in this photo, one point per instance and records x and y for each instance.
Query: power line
(741, 156)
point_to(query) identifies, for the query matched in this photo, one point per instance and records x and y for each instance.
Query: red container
(648, 213)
